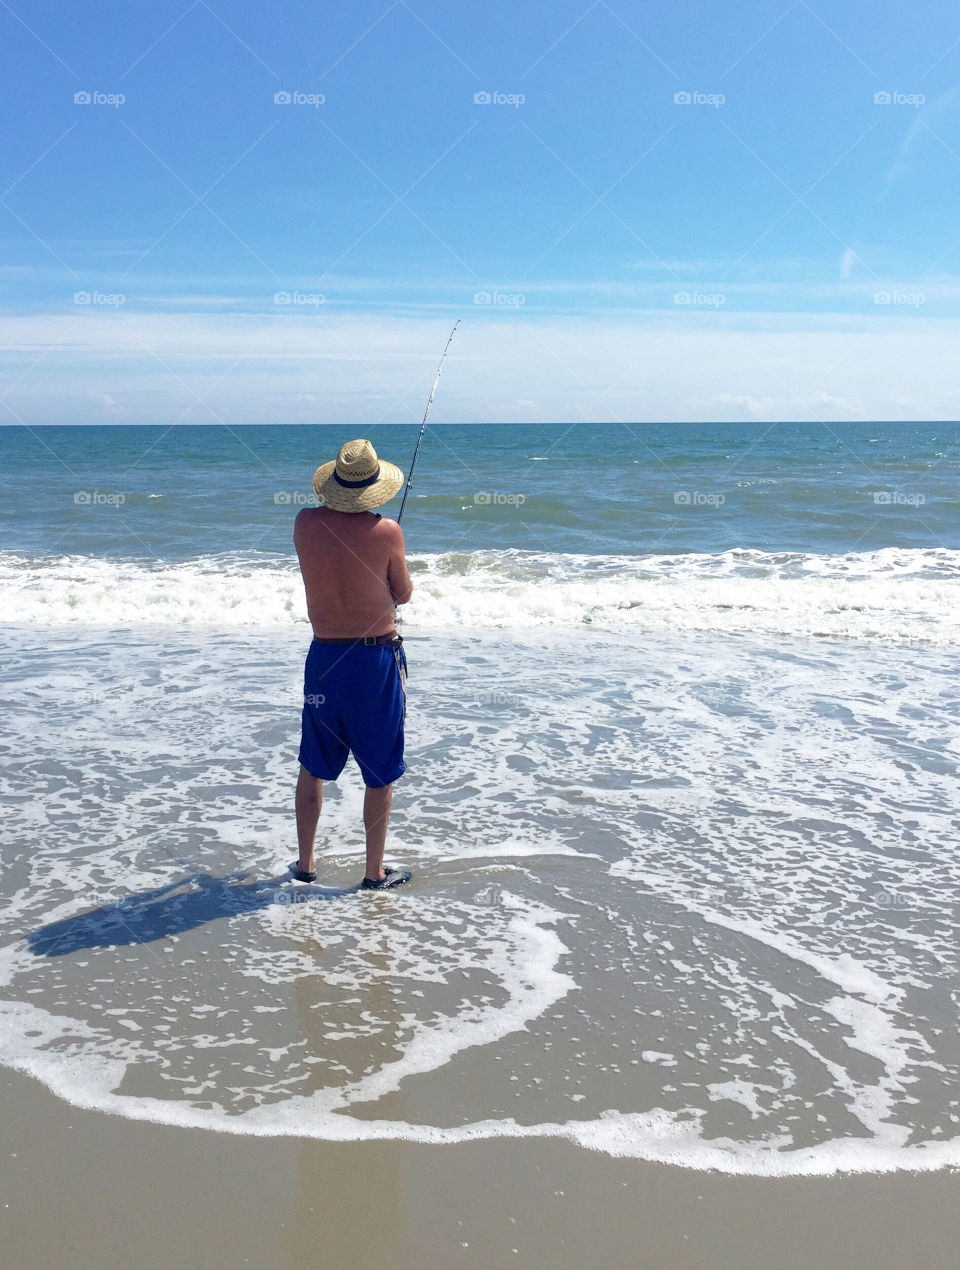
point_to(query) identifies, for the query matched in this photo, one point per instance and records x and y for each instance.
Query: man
(354, 574)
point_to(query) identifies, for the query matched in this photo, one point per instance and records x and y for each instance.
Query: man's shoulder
(388, 528)
(306, 516)
(368, 522)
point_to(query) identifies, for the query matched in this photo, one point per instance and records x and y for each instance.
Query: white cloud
(754, 407)
(502, 367)
(107, 403)
(783, 284)
(845, 407)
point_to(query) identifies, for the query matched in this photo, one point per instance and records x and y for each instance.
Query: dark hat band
(356, 484)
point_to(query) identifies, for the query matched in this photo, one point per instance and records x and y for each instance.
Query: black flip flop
(394, 877)
(300, 874)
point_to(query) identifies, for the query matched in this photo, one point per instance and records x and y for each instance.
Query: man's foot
(391, 877)
(303, 875)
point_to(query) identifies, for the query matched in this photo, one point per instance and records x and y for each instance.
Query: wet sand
(83, 1189)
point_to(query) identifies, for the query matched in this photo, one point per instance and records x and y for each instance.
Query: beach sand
(83, 1189)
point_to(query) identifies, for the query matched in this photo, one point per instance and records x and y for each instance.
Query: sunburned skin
(354, 571)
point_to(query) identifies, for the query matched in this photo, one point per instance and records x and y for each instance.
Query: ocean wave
(891, 596)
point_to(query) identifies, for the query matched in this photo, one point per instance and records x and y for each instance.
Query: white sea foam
(895, 595)
(690, 911)
(658, 1136)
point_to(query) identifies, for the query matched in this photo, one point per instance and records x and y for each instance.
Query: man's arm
(398, 579)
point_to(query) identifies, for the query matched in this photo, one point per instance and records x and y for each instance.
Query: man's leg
(376, 816)
(308, 803)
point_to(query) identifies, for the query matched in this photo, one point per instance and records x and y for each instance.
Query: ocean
(681, 804)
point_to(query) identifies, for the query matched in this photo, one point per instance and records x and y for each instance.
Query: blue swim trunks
(354, 700)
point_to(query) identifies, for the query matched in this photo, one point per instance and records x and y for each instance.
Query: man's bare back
(354, 571)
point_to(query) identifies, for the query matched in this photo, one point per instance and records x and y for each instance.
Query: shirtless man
(354, 574)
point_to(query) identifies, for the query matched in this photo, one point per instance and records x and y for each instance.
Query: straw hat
(358, 481)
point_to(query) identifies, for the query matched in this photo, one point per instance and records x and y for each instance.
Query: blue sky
(677, 212)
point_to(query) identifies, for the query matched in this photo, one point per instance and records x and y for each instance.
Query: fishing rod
(423, 425)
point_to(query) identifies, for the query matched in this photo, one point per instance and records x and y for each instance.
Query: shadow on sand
(172, 909)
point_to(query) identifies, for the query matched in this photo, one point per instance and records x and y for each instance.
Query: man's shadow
(169, 910)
